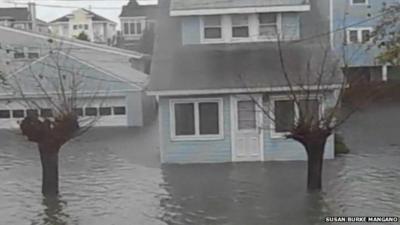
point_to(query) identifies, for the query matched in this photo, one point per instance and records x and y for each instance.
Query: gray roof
(213, 4)
(44, 73)
(95, 17)
(229, 66)
(17, 14)
(112, 61)
(133, 9)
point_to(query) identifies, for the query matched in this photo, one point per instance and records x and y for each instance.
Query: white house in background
(105, 74)
(96, 27)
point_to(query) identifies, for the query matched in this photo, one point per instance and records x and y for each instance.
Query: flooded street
(113, 177)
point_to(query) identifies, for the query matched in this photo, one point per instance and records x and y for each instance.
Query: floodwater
(112, 177)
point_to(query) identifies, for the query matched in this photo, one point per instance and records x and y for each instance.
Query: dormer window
(212, 27)
(240, 26)
(268, 25)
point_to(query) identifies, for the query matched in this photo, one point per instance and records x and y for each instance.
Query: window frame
(272, 99)
(359, 31)
(211, 40)
(249, 24)
(359, 4)
(133, 22)
(278, 27)
(197, 136)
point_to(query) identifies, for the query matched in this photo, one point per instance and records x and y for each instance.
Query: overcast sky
(107, 8)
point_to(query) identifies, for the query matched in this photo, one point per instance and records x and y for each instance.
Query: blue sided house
(352, 23)
(216, 71)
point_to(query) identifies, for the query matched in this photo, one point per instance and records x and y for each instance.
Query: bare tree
(53, 88)
(317, 94)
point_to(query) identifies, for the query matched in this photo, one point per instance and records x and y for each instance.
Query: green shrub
(340, 146)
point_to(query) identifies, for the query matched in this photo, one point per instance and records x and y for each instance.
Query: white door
(247, 134)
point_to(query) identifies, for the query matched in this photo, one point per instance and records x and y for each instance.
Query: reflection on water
(106, 179)
(53, 212)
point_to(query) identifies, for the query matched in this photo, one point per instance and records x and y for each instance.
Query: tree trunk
(49, 160)
(315, 152)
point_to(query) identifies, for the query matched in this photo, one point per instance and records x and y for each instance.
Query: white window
(285, 113)
(358, 35)
(240, 26)
(268, 25)
(359, 2)
(194, 119)
(212, 27)
(133, 27)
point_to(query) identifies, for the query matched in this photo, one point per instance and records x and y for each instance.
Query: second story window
(133, 27)
(359, 2)
(212, 27)
(268, 25)
(358, 35)
(240, 26)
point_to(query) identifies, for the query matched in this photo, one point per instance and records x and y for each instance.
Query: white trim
(198, 12)
(253, 27)
(359, 4)
(359, 31)
(160, 133)
(274, 98)
(197, 136)
(331, 35)
(212, 40)
(385, 72)
(234, 123)
(82, 44)
(242, 90)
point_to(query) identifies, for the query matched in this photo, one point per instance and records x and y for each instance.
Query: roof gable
(95, 17)
(48, 71)
(134, 9)
(110, 60)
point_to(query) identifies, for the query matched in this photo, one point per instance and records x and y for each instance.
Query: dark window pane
(209, 118)
(32, 112)
(359, 1)
(138, 28)
(267, 18)
(246, 115)
(46, 113)
(86, 27)
(284, 115)
(365, 35)
(353, 36)
(105, 111)
(126, 28)
(91, 111)
(19, 55)
(33, 55)
(18, 113)
(5, 114)
(78, 111)
(309, 109)
(120, 110)
(212, 33)
(184, 119)
(132, 28)
(240, 32)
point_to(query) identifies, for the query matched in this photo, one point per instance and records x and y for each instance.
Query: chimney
(32, 11)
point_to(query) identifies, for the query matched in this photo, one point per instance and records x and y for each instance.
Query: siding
(195, 151)
(190, 30)
(290, 26)
(218, 151)
(345, 15)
